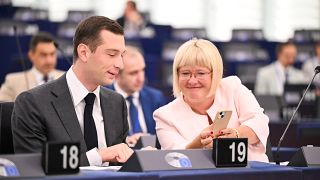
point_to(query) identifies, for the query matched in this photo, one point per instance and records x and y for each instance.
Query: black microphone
(62, 53)
(316, 71)
(23, 65)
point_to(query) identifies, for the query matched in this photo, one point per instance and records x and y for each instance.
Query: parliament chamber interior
(246, 52)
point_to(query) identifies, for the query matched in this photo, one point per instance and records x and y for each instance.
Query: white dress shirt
(281, 74)
(39, 76)
(78, 93)
(136, 102)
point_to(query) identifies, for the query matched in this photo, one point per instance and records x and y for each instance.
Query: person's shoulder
(171, 107)
(267, 67)
(110, 93)
(151, 90)
(230, 84)
(58, 71)
(16, 75)
(266, 70)
(37, 93)
(230, 80)
(57, 85)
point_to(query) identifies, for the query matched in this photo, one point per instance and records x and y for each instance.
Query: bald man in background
(130, 83)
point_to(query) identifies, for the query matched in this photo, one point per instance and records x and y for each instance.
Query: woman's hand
(229, 133)
(206, 139)
(240, 132)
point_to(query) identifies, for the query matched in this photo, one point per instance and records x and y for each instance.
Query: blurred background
(245, 31)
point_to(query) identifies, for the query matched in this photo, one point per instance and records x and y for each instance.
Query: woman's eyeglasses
(200, 75)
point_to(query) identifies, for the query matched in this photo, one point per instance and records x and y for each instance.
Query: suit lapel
(64, 107)
(106, 107)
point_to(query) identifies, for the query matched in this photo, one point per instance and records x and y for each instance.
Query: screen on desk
(291, 97)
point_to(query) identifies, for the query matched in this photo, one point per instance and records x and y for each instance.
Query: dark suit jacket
(46, 113)
(150, 99)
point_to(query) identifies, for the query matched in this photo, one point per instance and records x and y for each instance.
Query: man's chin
(108, 82)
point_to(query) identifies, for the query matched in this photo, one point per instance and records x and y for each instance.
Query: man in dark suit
(59, 110)
(130, 84)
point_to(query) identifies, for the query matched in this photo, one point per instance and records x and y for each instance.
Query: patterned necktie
(90, 132)
(135, 124)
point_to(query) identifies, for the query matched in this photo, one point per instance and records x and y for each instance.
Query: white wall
(277, 18)
(282, 17)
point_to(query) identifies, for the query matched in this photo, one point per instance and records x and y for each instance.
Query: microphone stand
(316, 71)
(21, 57)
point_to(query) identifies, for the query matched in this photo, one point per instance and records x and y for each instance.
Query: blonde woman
(200, 93)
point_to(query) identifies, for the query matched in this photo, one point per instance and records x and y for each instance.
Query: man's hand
(117, 153)
(133, 139)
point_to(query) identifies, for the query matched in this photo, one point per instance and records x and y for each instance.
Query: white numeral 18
(73, 157)
(241, 151)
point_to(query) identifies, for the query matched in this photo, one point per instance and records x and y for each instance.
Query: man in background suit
(57, 111)
(132, 20)
(130, 83)
(271, 78)
(43, 55)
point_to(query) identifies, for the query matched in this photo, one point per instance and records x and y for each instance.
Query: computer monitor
(291, 97)
(272, 106)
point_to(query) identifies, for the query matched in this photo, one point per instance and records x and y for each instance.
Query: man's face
(132, 77)
(104, 64)
(287, 55)
(44, 57)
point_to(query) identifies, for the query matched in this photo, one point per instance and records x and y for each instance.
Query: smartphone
(221, 121)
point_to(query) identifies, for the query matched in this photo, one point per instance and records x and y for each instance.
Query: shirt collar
(77, 89)
(39, 76)
(280, 66)
(135, 95)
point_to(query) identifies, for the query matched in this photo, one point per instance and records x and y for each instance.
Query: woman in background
(201, 92)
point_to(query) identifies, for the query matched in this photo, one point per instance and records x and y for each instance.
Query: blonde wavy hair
(198, 52)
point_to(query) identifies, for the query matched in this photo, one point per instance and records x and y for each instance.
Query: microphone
(62, 53)
(23, 65)
(316, 71)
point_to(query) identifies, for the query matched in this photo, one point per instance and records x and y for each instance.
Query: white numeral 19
(73, 157)
(241, 151)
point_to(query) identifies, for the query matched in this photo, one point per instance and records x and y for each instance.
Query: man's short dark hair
(41, 37)
(88, 32)
(132, 4)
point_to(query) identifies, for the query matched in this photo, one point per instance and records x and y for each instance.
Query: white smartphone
(221, 121)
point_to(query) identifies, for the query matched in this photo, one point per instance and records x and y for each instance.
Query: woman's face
(195, 82)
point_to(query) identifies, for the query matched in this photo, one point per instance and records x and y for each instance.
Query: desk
(309, 173)
(257, 170)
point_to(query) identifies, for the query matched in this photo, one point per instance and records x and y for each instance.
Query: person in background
(309, 66)
(43, 56)
(132, 21)
(201, 92)
(272, 78)
(75, 107)
(130, 83)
